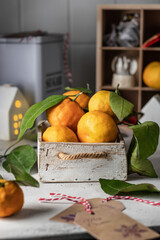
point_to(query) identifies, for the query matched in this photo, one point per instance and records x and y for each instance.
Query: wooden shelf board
(109, 87)
(129, 7)
(149, 89)
(151, 49)
(131, 88)
(132, 48)
(121, 48)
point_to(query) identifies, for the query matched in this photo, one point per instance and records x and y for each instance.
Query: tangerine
(82, 99)
(66, 113)
(59, 134)
(100, 101)
(96, 127)
(151, 75)
(11, 198)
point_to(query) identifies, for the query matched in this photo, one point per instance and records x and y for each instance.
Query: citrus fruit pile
(70, 123)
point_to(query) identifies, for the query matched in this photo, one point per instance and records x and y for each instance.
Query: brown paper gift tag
(111, 224)
(69, 214)
(98, 203)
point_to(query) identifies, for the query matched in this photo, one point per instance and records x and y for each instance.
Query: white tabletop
(34, 218)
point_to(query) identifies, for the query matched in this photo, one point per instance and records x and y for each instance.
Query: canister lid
(32, 37)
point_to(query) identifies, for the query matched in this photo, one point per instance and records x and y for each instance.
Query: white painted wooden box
(91, 160)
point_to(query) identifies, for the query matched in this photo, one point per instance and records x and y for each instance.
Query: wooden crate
(83, 162)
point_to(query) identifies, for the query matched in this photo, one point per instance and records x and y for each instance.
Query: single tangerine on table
(96, 127)
(82, 99)
(66, 113)
(11, 198)
(59, 133)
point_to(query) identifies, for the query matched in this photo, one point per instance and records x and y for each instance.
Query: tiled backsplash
(78, 17)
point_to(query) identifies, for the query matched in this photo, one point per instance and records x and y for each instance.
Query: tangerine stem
(4, 155)
(76, 96)
(117, 90)
(125, 123)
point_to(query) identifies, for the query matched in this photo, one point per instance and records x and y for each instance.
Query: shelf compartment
(151, 23)
(146, 96)
(133, 98)
(147, 58)
(107, 57)
(114, 16)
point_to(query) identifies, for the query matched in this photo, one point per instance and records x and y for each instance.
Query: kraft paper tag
(111, 224)
(69, 214)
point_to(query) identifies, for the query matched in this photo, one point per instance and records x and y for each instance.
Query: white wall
(78, 17)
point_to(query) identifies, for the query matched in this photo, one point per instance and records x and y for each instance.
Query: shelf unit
(149, 26)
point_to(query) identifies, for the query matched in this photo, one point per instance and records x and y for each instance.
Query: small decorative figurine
(124, 69)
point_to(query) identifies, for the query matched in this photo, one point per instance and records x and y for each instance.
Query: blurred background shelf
(149, 25)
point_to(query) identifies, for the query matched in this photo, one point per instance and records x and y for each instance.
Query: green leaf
(84, 90)
(19, 162)
(25, 154)
(31, 135)
(35, 110)
(120, 106)
(144, 143)
(131, 149)
(1, 176)
(147, 136)
(114, 187)
(142, 166)
(23, 177)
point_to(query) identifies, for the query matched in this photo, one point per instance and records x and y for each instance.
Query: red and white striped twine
(84, 202)
(60, 196)
(65, 59)
(132, 198)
